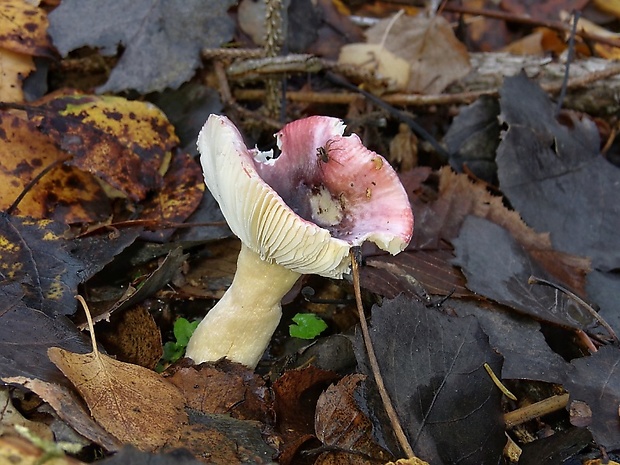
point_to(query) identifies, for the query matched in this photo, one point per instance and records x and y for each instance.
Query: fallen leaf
(542, 9)
(595, 380)
(24, 28)
(225, 388)
(560, 447)
(436, 58)
(66, 194)
(14, 68)
(404, 149)
(518, 338)
(225, 440)
(23, 35)
(180, 195)
(385, 65)
(340, 424)
(10, 416)
(497, 267)
(296, 393)
(162, 40)
(432, 367)
(473, 137)
(124, 143)
(69, 408)
(132, 403)
(555, 177)
(129, 455)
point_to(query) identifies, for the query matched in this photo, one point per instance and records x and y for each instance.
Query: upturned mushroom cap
(306, 208)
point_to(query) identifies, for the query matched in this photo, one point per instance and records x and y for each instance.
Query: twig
(28, 187)
(387, 403)
(569, 59)
(415, 127)
(346, 98)
(538, 409)
(579, 300)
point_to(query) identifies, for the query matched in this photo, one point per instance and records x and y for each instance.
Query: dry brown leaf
(434, 54)
(225, 387)
(375, 58)
(69, 408)
(339, 422)
(404, 149)
(132, 403)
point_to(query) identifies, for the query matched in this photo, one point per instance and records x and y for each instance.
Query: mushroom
(299, 213)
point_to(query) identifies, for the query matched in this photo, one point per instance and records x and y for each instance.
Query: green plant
(308, 326)
(173, 351)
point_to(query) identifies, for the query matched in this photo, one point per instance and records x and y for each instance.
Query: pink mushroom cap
(306, 208)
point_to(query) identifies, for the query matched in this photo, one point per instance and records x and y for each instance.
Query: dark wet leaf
(473, 137)
(555, 177)
(596, 381)
(41, 271)
(187, 108)
(556, 448)
(518, 339)
(432, 365)
(162, 40)
(497, 267)
(180, 195)
(296, 394)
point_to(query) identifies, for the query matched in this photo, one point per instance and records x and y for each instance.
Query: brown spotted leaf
(23, 28)
(124, 143)
(132, 403)
(65, 193)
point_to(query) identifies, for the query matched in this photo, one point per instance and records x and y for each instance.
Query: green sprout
(308, 326)
(173, 351)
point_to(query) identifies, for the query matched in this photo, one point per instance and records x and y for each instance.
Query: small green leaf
(173, 351)
(308, 326)
(183, 330)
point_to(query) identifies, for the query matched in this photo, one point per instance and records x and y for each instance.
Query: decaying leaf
(132, 403)
(125, 143)
(23, 34)
(375, 58)
(296, 393)
(340, 424)
(225, 388)
(555, 177)
(432, 367)
(162, 40)
(596, 381)
(497, 267)
(65, 193)
(436, 58)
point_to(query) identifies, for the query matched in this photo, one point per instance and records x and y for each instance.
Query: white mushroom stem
(239, 327)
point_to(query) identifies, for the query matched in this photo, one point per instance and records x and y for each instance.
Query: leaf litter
(470, 244)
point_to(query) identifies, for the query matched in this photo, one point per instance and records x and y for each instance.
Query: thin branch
(387, 403)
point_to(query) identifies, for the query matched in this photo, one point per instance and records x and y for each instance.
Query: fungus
(299, 213)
